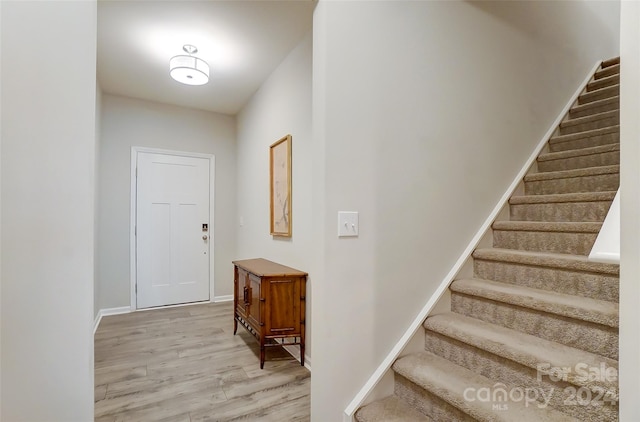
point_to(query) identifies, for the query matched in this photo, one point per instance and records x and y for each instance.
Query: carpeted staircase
(533, 336)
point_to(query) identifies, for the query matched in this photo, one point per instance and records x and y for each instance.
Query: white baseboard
(295, 352)
(96, 322)
(107, 312)
(225, 298)
(378, 374)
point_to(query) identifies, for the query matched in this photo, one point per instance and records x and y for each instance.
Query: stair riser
(557, 212)
(610, 62)
(594, 160)
(586, 142)
(593, 108)
(568, 129)
(596, 183)
(591, 285)
(518, 376)
(594, 338)
(603, 82)
(427, 403)
(601, 94)
(558, 242)
(611, 70)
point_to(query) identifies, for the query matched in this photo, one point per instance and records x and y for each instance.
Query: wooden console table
(269, 301)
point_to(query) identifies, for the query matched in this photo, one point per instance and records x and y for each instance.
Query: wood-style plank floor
(184, 364)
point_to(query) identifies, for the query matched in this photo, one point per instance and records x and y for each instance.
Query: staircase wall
(424, 112)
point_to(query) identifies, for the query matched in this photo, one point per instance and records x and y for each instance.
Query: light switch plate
(347, 223)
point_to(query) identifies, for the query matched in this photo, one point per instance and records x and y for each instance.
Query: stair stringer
(375, 382)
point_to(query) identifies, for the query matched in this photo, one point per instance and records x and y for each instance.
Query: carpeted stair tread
(545, 236)
(592, 121)
(563, 198)
(607, 71)
(583, 206)
(591, 118)
(449, 381)
(390, 409)
(570, 306)
(604, 81)
(546, 259)
(562, 273)
(570, 159)
(599, 94)
(611, 134)
(586, 134)
(547, 226)
(525, 349)
(611, 62)
(560, 155)
(584, 179)
(566, 174)
(594, 107)
(595, 104)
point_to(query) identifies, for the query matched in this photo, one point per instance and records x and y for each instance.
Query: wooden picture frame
(280, 187)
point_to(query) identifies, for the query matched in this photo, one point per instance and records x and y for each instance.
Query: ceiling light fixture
(189, 70)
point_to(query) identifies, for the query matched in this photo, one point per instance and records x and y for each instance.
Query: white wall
(281, 106)
(629, 211)
(425, 111)
(129, 122)
(48, 142)
(0, 214)
(96, 186)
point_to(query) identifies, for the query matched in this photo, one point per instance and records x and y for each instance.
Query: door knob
(204, 237)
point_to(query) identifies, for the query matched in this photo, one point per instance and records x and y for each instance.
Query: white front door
(172, 229)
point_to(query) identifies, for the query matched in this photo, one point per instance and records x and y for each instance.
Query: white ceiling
(243, 42)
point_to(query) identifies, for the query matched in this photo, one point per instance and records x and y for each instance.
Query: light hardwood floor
(184, 364)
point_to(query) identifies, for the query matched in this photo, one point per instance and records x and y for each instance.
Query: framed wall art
(280, 187)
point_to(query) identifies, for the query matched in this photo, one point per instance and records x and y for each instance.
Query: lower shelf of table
(270, 340)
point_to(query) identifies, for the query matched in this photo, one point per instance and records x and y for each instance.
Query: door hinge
(136, 288)
(136, 172)
(135, 230)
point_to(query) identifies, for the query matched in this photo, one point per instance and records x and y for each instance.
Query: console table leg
(235, 326)
(262, 356)
(302, 353)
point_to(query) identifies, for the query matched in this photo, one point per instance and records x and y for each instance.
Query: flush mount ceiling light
(189, 70)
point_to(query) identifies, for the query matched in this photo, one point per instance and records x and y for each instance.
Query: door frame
(133, 215)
